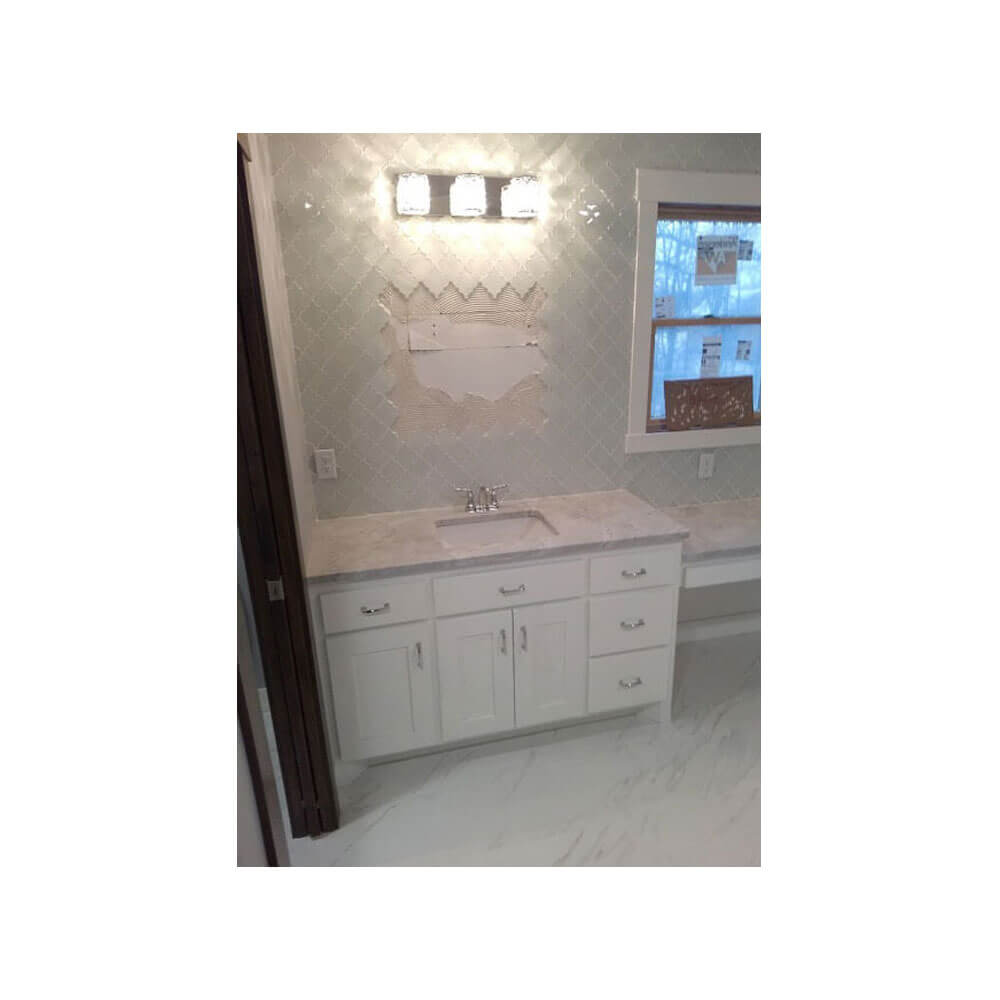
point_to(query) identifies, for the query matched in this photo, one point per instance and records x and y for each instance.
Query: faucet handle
(470, 496)
(493, 490)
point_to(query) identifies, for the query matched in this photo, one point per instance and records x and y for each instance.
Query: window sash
(661, 424)
(709, 213)
(697, 213)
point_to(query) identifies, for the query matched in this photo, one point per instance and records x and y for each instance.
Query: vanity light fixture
(468, 195)
(519, 199)
(413, 194)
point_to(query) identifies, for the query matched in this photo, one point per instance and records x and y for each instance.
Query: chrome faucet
(483, 500)
(470, 498)
(493, 492)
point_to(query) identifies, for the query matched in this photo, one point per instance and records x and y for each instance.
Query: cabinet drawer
(630, 621)
(503, 588)
(627, 679)
(635, 569)
(380, 604)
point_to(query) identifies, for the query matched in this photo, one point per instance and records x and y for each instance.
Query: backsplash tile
(343, 248)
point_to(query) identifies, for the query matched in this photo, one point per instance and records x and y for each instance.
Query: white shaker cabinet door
(383, 690)
(476, 674)
(550, 657)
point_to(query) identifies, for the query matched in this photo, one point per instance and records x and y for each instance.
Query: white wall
(273, 285)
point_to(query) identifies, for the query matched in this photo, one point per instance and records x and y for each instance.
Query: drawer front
(632, 570)
(630, 621)
(380, 604)
(627, 679)
(504, 588)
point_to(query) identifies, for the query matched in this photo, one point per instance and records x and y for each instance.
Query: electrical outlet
(326, 463)
(706, 465)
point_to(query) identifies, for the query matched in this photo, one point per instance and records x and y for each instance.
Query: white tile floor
(687, 793)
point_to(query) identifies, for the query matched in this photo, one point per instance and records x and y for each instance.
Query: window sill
(721, 437)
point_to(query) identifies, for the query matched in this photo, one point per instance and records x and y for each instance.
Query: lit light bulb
(468, 195)
(413, 194)
(519, 199)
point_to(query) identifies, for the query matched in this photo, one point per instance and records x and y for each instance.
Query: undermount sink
(495, 529)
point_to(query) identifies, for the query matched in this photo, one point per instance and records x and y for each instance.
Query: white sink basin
(494, 529)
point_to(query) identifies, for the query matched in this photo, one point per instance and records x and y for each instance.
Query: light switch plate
(326, 463)
(706, 465)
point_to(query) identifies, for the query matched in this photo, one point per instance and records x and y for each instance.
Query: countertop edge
(741, 552)
(496, 559)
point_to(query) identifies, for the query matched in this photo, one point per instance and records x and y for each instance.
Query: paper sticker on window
(663, 307)
(711, 355)
(716, 261)
(746, 249)
(743, 348)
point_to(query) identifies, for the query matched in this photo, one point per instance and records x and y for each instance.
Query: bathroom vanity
(436, 627)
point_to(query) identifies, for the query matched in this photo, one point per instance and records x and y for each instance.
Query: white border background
(880, 678)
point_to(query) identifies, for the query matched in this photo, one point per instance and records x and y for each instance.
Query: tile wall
(342, 246)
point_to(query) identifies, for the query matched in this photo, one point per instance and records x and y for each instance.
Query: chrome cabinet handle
(374, 611)
(630, 574)
(524, 638)
(503, 641)
(635, 682)
(513, 590)
(420, 655)
(633, 623)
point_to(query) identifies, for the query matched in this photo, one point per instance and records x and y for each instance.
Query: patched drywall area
(460, 362)
(406, 427)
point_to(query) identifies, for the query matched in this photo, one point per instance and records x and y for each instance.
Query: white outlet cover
(706, 465)
(326, 463)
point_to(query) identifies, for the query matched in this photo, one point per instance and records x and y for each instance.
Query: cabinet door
(550, 662)
(476, 674)
(383, 689)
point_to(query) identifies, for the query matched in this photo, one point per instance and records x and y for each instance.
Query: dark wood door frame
(271, 553)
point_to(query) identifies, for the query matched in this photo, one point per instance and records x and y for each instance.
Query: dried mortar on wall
(461, 362)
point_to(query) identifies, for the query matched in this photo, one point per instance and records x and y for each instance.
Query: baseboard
(517, 739)
(715, 628)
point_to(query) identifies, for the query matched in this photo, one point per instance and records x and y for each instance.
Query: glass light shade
(468, 195)
(413, 194)
(519, 199)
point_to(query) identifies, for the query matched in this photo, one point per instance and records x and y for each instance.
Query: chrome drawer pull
(420, 655)
(524, 638)
(634, 623)
(513, 590)
(503, 641)
(375, 611)
(635, 682)
(632, 573)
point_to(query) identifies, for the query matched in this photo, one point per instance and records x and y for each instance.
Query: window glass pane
(678, 350)
(676, 257)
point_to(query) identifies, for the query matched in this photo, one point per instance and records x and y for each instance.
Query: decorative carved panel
(697, 403)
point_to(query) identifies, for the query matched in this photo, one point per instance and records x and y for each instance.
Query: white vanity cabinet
(415, 661)
(382, 683)
(550, 662)
(476, 674)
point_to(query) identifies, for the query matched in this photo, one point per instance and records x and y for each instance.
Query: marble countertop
(350, 549)
(719, 530)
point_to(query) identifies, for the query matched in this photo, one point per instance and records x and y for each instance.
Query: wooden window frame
(679, 194)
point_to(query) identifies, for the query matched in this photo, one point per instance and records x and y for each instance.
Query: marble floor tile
(687, 793)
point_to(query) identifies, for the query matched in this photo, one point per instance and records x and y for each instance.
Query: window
(697, 331)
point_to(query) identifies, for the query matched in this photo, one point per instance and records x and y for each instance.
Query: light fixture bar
(521, 206)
